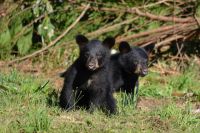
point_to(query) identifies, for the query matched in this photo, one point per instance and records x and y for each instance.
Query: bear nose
(92, 63)
(144, 72)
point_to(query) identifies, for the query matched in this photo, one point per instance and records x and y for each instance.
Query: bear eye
(99, 55)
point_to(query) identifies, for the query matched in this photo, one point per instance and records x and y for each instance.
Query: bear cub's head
(133, 60)
(94, 54)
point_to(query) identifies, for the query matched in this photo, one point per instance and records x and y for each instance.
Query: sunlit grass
(157, 85)
(29, 104)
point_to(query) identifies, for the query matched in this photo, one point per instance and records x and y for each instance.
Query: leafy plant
(46, 30)
(25, 42)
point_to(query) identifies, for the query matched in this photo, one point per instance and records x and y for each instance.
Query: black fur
(87, 82)
(127, 66)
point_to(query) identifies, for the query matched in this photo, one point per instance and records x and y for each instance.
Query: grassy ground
(166, 104)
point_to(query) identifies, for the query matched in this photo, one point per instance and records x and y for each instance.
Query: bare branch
(110, 28)
(146, 14)
(171, 28)
(162, 18)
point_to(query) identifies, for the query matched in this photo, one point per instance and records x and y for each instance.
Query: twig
(164, 28)
(104, 29)
(165, 37)
(110, 28)
(166, 41)
(179, 48)
(161, 29)
(154, 4)
(151, 38)
(146, 14)
(54, 41)
(153, 35)
(162, 18)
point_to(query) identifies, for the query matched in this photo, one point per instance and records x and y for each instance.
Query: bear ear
(81, 40)
(124, 47)
(109, 42)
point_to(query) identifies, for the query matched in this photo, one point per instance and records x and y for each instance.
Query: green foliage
(5, 45)
(198, 10)
(25, 42)
(153, 25)
(5, 39)
(161, 10)
(53, 18)
(46, 29)
(15, 26)
(42, 6)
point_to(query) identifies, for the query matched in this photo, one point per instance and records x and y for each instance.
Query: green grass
(29, 104)
(159, 85)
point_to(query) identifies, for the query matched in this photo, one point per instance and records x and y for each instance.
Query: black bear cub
(127, 66)
(87, 82)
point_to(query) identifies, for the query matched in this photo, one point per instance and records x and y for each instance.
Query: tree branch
(162, 18)
(161, 29)
(146, 14)
(54, 41)
(110, 28)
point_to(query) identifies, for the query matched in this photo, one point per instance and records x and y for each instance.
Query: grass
(160, 85)
(29, 104)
